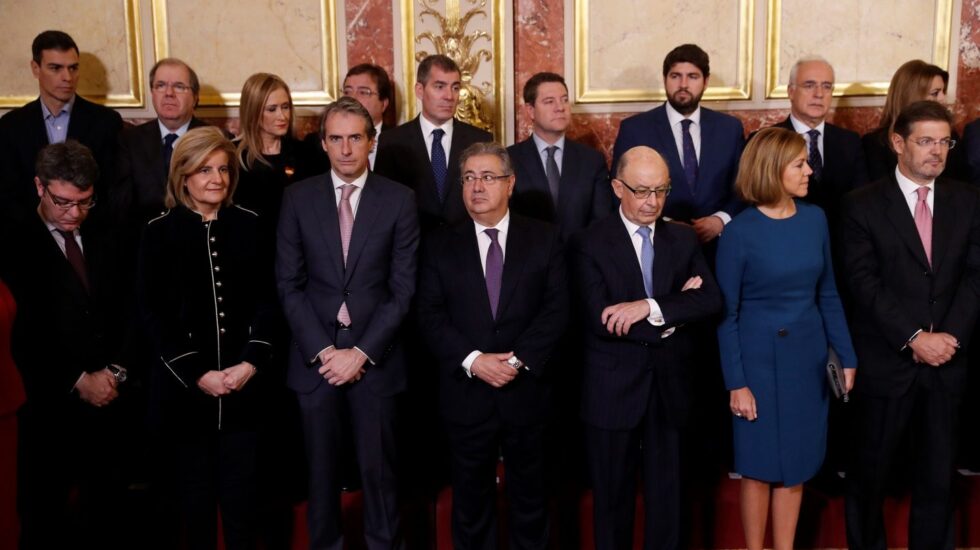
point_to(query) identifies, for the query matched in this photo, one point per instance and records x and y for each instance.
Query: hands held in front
(341, 366)
(222, 382)
(934, 348)
(742, 403)
(97, 388)
(493, 369)
(618, 318)
(849, 379)
(707, 227)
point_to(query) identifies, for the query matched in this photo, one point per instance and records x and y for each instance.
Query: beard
(684, 106)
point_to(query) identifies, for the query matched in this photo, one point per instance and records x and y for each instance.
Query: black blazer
(584, 192)
(402, 157)
(620, 371)
(896, 291)
(260, 187)
(971, 150)
(455, 317)
(23, 134)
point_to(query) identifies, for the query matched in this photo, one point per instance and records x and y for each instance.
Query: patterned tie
(646, 259)
(923, 221)
(495, 270)
(168, 152)
(346, 215)
(75, 258)
(815, 159)
(551, 170)
(439, 163)
(690, 155)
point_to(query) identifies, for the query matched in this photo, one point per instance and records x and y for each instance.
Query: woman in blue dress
(782, 311)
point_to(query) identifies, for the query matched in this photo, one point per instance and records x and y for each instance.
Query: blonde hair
(760, 172)
(190, 154)
(255, 93)
(909, 84)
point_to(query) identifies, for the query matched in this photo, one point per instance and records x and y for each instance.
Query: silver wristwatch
(516, 363)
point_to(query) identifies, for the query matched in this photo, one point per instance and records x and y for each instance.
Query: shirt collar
(501, 226)
(179, 131)
(632, 227)
(427, 126)
(543, 145)
(64, 109)
(802, 128)
(675, 118)
(359, 182)
(908, 186)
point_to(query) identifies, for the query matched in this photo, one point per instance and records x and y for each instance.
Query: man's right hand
(493, 369)
(213, 383)
(934, 348)
(97, 388)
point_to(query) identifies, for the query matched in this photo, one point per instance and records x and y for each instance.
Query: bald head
(642, 179)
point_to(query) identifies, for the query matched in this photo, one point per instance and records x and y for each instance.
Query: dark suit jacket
(23, 134)
(377, 284)
(620, 371)
(455, 316)
(896, 291)
(402, 157)
(722, 141)
(584, 192)
(971, 150)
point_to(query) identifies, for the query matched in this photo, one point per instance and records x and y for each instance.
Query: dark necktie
(495, 270)
(168, 152)
(815, 159)
(346, 214)
(75, 258)
(551, 171)
(690, 155)
(439, 163)
(646, 259)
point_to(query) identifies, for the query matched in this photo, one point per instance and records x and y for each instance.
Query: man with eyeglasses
(643, 281)
(56, 115)
(493, 303)
(912, 251)
(66, 341)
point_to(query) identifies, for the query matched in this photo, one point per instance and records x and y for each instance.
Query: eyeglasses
(359, 92)
(811, 86)
(65, 205)
(644, 193)
(487, 179)
(177, 87)
(928, 143)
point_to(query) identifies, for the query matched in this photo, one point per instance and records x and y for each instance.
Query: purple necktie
(495, 270)
(74, 255)
(923, 221)
(815, 158)
(346, 215)
(690, 155)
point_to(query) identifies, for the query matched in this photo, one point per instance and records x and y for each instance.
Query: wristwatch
(516, 363)
(118, 373)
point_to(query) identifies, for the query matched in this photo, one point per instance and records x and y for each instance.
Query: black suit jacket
(620, 371)
(23, 134)
(895, 289)
(971, 150)
(377, 284)
(584, 192)
(402, 157)
(455, 316)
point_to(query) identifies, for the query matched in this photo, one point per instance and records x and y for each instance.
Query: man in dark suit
(56, 115)
(912, 247)
(702, 147)
(640, 280)
(346, 274)
(558, 180)
(65, 338)
(423, 153)
(493, 303)
(971, 150)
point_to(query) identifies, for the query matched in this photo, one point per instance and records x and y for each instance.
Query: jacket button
(221, 330)
(782, 332)
(217, 268)
(346, 292)
(217, 284)
(220, 299)
(214, 254)
(221, 314)
(212, 239)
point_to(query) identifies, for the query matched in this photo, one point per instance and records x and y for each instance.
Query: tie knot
(66, 234)
(438, 133)
(923, 192)
(169, 139)
(644, 232)
(492, 233)
(686, 124)
(551, 149)
(346, 191)
(814, 134)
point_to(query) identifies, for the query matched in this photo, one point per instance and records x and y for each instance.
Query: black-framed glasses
(928, 142)
(643, 193)
(487, 179)
(359, 92)
(65, 205)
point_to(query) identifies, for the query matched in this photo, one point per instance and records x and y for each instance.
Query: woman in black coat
(207, 297)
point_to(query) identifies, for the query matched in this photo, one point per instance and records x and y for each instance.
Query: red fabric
(11, 398)
(11, 388)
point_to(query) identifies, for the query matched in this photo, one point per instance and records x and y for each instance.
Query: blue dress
(781, 310)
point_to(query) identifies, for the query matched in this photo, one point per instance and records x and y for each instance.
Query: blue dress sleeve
(828, 301)
(729, 269)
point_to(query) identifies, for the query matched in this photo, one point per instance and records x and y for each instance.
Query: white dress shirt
(656, 317)
(447, 140)
(910, 192)
(542, 147)
(675, 119)
(60, 239)
(483, 243)
(179, 131)
(802, 128)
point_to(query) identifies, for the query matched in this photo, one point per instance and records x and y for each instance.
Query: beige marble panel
(226, 41)
(109, 60)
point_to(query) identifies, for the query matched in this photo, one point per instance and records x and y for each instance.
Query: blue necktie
(690, 155)
(439, 163)
(646, 259)
(168, 152)
(815, 159)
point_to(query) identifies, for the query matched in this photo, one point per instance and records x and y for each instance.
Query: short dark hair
(349, 105)
(378, 74)
(921, 111)
(531, 87)
(173, 61)
(70, 162)
(444, 62)
(688, 53)
(51, 40)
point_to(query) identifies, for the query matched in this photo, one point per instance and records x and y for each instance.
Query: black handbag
(835, 376)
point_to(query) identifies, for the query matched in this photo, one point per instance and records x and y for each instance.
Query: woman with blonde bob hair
(207, 299)
(782, 311)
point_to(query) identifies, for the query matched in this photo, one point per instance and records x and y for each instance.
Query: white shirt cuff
(725, 218)
(317, 356)
(80, 376)
(656, 317)
(365, 355)
(468, 362)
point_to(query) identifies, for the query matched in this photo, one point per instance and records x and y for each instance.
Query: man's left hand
(238, 375)
(620, 317)
(708, 227)
(341, 366)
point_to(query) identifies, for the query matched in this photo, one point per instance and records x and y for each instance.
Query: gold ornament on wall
(455, 43)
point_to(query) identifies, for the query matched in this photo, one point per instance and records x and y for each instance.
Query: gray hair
(487, 148)
(808, 59)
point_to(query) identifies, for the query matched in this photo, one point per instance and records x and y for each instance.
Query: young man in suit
(912, 247)
(346, 274)
(702, 147)
(558, 180)
(56, 115)
(641, 280)
(423, 153)
(493, 300)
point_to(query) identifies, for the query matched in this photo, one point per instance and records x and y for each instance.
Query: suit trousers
(372, 420)
(927, 416)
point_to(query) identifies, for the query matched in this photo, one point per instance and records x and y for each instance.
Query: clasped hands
(217, 383)
(934, 348)
(493, 368)
(341, 366)
(618, 318)
(97, 388)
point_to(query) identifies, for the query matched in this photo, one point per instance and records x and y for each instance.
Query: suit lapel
(325, 211)
(426, 182)
(897, 211)
(514, 260)
(78, 122)
(662, 261)
(623, 254)
(943, 218)
(367, 211)
(571, 167)
(665, 136)
(466, 249)
(38, 133)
